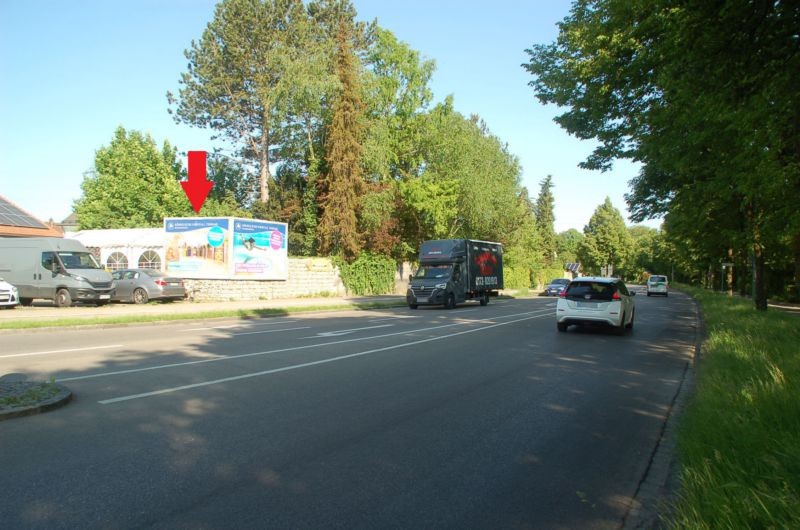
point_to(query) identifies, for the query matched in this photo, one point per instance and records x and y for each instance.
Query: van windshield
(433, 272)
(78, 260)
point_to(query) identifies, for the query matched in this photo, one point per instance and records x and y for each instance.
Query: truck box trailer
(455, 270)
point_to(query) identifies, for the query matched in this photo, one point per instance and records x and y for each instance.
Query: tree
(567, 244)
(341, 188)
(545, 220)
(396, 97)
(607, 242)
(251, 60)
(134, 184)
(653, 81)
(231, 179)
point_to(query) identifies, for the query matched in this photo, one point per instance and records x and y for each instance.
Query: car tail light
(162, 283)
(563, 294)
(616, 295)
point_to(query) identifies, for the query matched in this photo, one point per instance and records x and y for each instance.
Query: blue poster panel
(260, 249)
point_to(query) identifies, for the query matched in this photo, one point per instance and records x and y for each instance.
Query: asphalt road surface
(479, 417)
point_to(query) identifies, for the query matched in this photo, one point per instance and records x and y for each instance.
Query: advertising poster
(260, 250)
(198, 247)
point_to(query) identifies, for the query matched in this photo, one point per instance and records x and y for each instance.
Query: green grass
(33, 394)
(739, 439)
(237, 313)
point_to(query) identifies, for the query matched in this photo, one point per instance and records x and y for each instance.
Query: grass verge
(28, 395)
(236, 313)
(739, 439)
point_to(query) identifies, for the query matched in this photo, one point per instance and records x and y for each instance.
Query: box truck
(52, 268)
(454, 270)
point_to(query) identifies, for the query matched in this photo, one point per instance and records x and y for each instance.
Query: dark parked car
(141, 285)
(556, 287)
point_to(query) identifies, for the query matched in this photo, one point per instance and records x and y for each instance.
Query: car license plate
(587, 305)
(104, 297)
(422, 299)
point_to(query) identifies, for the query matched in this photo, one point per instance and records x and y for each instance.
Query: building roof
(16, 222)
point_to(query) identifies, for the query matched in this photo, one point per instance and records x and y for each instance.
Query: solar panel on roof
(10, 215)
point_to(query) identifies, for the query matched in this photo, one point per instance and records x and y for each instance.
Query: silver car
(591, 301)
(142, 285)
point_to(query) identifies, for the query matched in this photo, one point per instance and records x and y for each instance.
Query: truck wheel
(140, 296)
(561, 326)
(451, 301)
(485, 299)
(63, 298)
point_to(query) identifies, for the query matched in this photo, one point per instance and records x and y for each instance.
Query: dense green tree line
(330, 126)
(710, 109)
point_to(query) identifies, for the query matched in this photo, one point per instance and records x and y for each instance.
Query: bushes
(369, 274)
(543, 276)
(516, 278)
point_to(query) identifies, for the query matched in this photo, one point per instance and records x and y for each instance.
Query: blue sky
(72, 72)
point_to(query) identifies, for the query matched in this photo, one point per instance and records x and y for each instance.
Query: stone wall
(308, 277)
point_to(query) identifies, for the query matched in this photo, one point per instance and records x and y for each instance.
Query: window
(579, 290)
(49, 261)
(150, 260)
(116, 261)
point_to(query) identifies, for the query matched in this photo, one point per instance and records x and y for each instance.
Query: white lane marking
(346, 331)
(235, 326)
(280, 350)
(305, 365)
(61, 351)
(390, 318)
(269, 331)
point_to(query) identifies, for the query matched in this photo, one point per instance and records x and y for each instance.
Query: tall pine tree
(340, 189)
(545, 220)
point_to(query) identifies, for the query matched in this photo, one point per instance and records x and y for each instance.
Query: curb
(61, 398)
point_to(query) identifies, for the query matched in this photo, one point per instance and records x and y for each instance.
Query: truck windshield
(78, 260)
(433, 272)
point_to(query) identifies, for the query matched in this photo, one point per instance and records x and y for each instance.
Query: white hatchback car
(657, 284)
(591, 301)
(9, 296)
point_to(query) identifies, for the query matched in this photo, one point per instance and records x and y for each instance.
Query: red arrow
(197, 187)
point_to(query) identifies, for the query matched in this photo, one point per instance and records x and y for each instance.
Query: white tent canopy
(120, 248)
(121, 237)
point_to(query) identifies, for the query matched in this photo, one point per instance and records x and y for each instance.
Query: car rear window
(590, 291)
(656, 279)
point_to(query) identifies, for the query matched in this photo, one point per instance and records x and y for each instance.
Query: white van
(657, 284)
(52, 268)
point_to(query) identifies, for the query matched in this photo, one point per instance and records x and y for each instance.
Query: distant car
(556, 287)
(657, 284)
(9, 296)
(590, 301)
(142, 285)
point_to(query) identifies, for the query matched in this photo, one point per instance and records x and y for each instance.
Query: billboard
(260, 250)
(226, 248)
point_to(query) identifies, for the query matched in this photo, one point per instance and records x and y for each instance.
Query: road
(479, 417)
